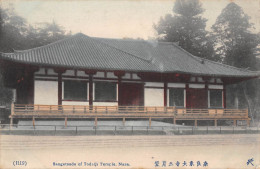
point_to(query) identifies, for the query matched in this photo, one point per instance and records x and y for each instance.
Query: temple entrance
(197, 99)
(131, 94)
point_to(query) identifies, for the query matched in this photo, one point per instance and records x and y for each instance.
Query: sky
(116, 18)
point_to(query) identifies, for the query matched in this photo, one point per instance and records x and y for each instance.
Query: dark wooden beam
(59, 88)
(90, 74)
(119, 73)
(90, 89)
(224, 96)
(165, 94)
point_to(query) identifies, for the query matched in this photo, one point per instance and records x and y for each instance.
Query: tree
(17, 34)
(235, 44)
(187, 27)
(233, 40)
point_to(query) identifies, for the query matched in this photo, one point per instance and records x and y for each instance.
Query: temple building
(82, 77)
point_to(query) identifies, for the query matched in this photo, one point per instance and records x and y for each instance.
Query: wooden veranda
(19, 111)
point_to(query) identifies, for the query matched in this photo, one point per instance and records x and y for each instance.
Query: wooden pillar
(224, 97)
(59, 88)
(90, 90)
(119, 74)
(150, 122)
(174, 120)
(195, 123)
(66, 121)
(123, 121)
(165, 94)
(234, 122)
(248, 123)
(59, 71)
(90, 74)
(11, 122)
(119, 84)
(207, 95)
(186, 98)
(96, 119)
(216, 122)
(33, 120)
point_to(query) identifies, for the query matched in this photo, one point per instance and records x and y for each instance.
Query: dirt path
(219, 151)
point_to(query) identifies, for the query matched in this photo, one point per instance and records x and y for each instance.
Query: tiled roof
(81, 51)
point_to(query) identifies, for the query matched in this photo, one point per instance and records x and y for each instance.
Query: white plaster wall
(105, 104)
(111, 75)
(176, 85)
(218, 80)
(135, 76)
(200, 79)
(82, 73)
(154, 84)
(51, 72)
(126, 76)
(153, 97)
(99, 74)
(46, 92)
(75, 103)
(40, 72)
(215, 86)
(197, 86)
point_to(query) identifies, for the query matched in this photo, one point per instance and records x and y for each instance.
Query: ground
(218, 151)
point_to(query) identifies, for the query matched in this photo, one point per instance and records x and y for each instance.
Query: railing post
(12, 109)
(196, 123)
(66, 121)
(216, 122)
(234, 122)
(11, 117)
(33, 120)
(150, 121)
(26, 109)
(96, 121)
(248, 123)
(123, 121)
(11, 123)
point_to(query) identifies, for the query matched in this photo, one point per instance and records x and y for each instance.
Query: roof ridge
(128, 40)
(96, 39)
(49, 44)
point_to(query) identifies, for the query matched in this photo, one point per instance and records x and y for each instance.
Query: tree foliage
(187, 27)
(235, 44)
(17, 34)
(234, 41)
